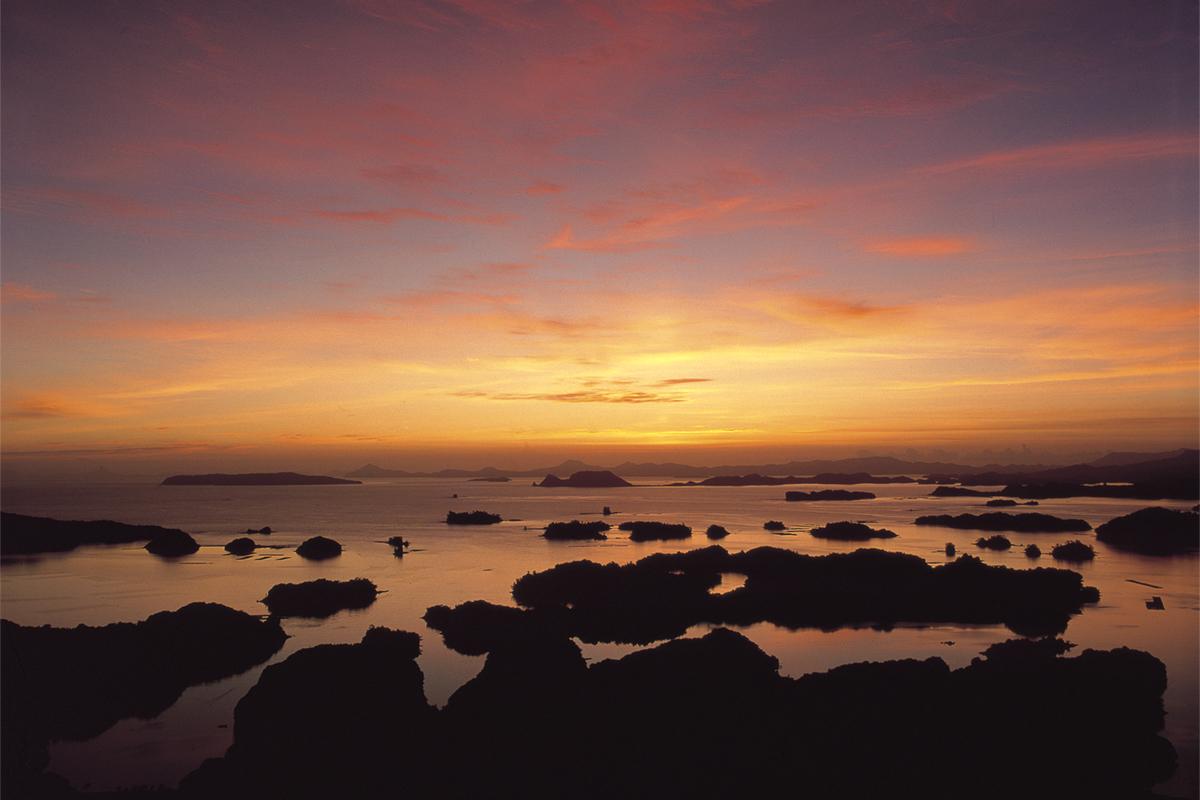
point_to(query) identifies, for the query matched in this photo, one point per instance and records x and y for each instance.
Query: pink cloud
(405, 174)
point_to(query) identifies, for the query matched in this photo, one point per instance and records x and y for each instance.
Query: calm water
(97, 585)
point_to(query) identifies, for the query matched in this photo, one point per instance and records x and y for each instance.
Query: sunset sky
(434, 233)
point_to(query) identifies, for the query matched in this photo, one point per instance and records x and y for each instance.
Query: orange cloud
(23, 293)
(921, 246)
(1077, 154)
(378, 216)
(538, 188)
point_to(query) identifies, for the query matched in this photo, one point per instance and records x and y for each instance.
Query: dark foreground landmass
(75, 683)
(23, 535)
(1002, 521)
(1154, 531)
(319, 598)
(663, 595)
(704, 718)
(254, 479)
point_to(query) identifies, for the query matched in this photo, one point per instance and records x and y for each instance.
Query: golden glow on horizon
(670, 225)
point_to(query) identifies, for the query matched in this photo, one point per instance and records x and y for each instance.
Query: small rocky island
(576, 530)
(644, 531)
(587, 479)
(827, 494)
(255, 479)
(1002, 521)
(851, 532)
(471, 518)
(319, 598)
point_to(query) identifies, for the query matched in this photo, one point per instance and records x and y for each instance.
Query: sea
(96, 585)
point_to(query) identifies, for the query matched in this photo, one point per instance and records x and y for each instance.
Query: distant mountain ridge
(253, 479)
(875, 465)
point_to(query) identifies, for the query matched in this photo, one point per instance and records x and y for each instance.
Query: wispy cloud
(1076, 154)
(595, 397)
(11, 292)
(921, 246)
(377, 216)
(540, 188)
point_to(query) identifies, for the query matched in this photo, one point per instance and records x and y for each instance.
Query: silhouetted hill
(25, 535)
(1122, 458)
(588, 479)
(1120, 467)
(1176, 476)
(874, 465)
(253, 479)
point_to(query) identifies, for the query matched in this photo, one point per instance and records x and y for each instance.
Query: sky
(449, 233)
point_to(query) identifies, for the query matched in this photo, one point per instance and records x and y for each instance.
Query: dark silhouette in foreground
(576, 530)
(471, 518)
(24, 535)
(319, 598)
(851, 532)
(319, 548)
(1154, 531)
(599, 479)
(662, 595)
(538, 721)
(242, 546)
(644, 531)
(1003, 521)
(254, 479)
(75, 683)
(1073, 550)
(172, 544)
